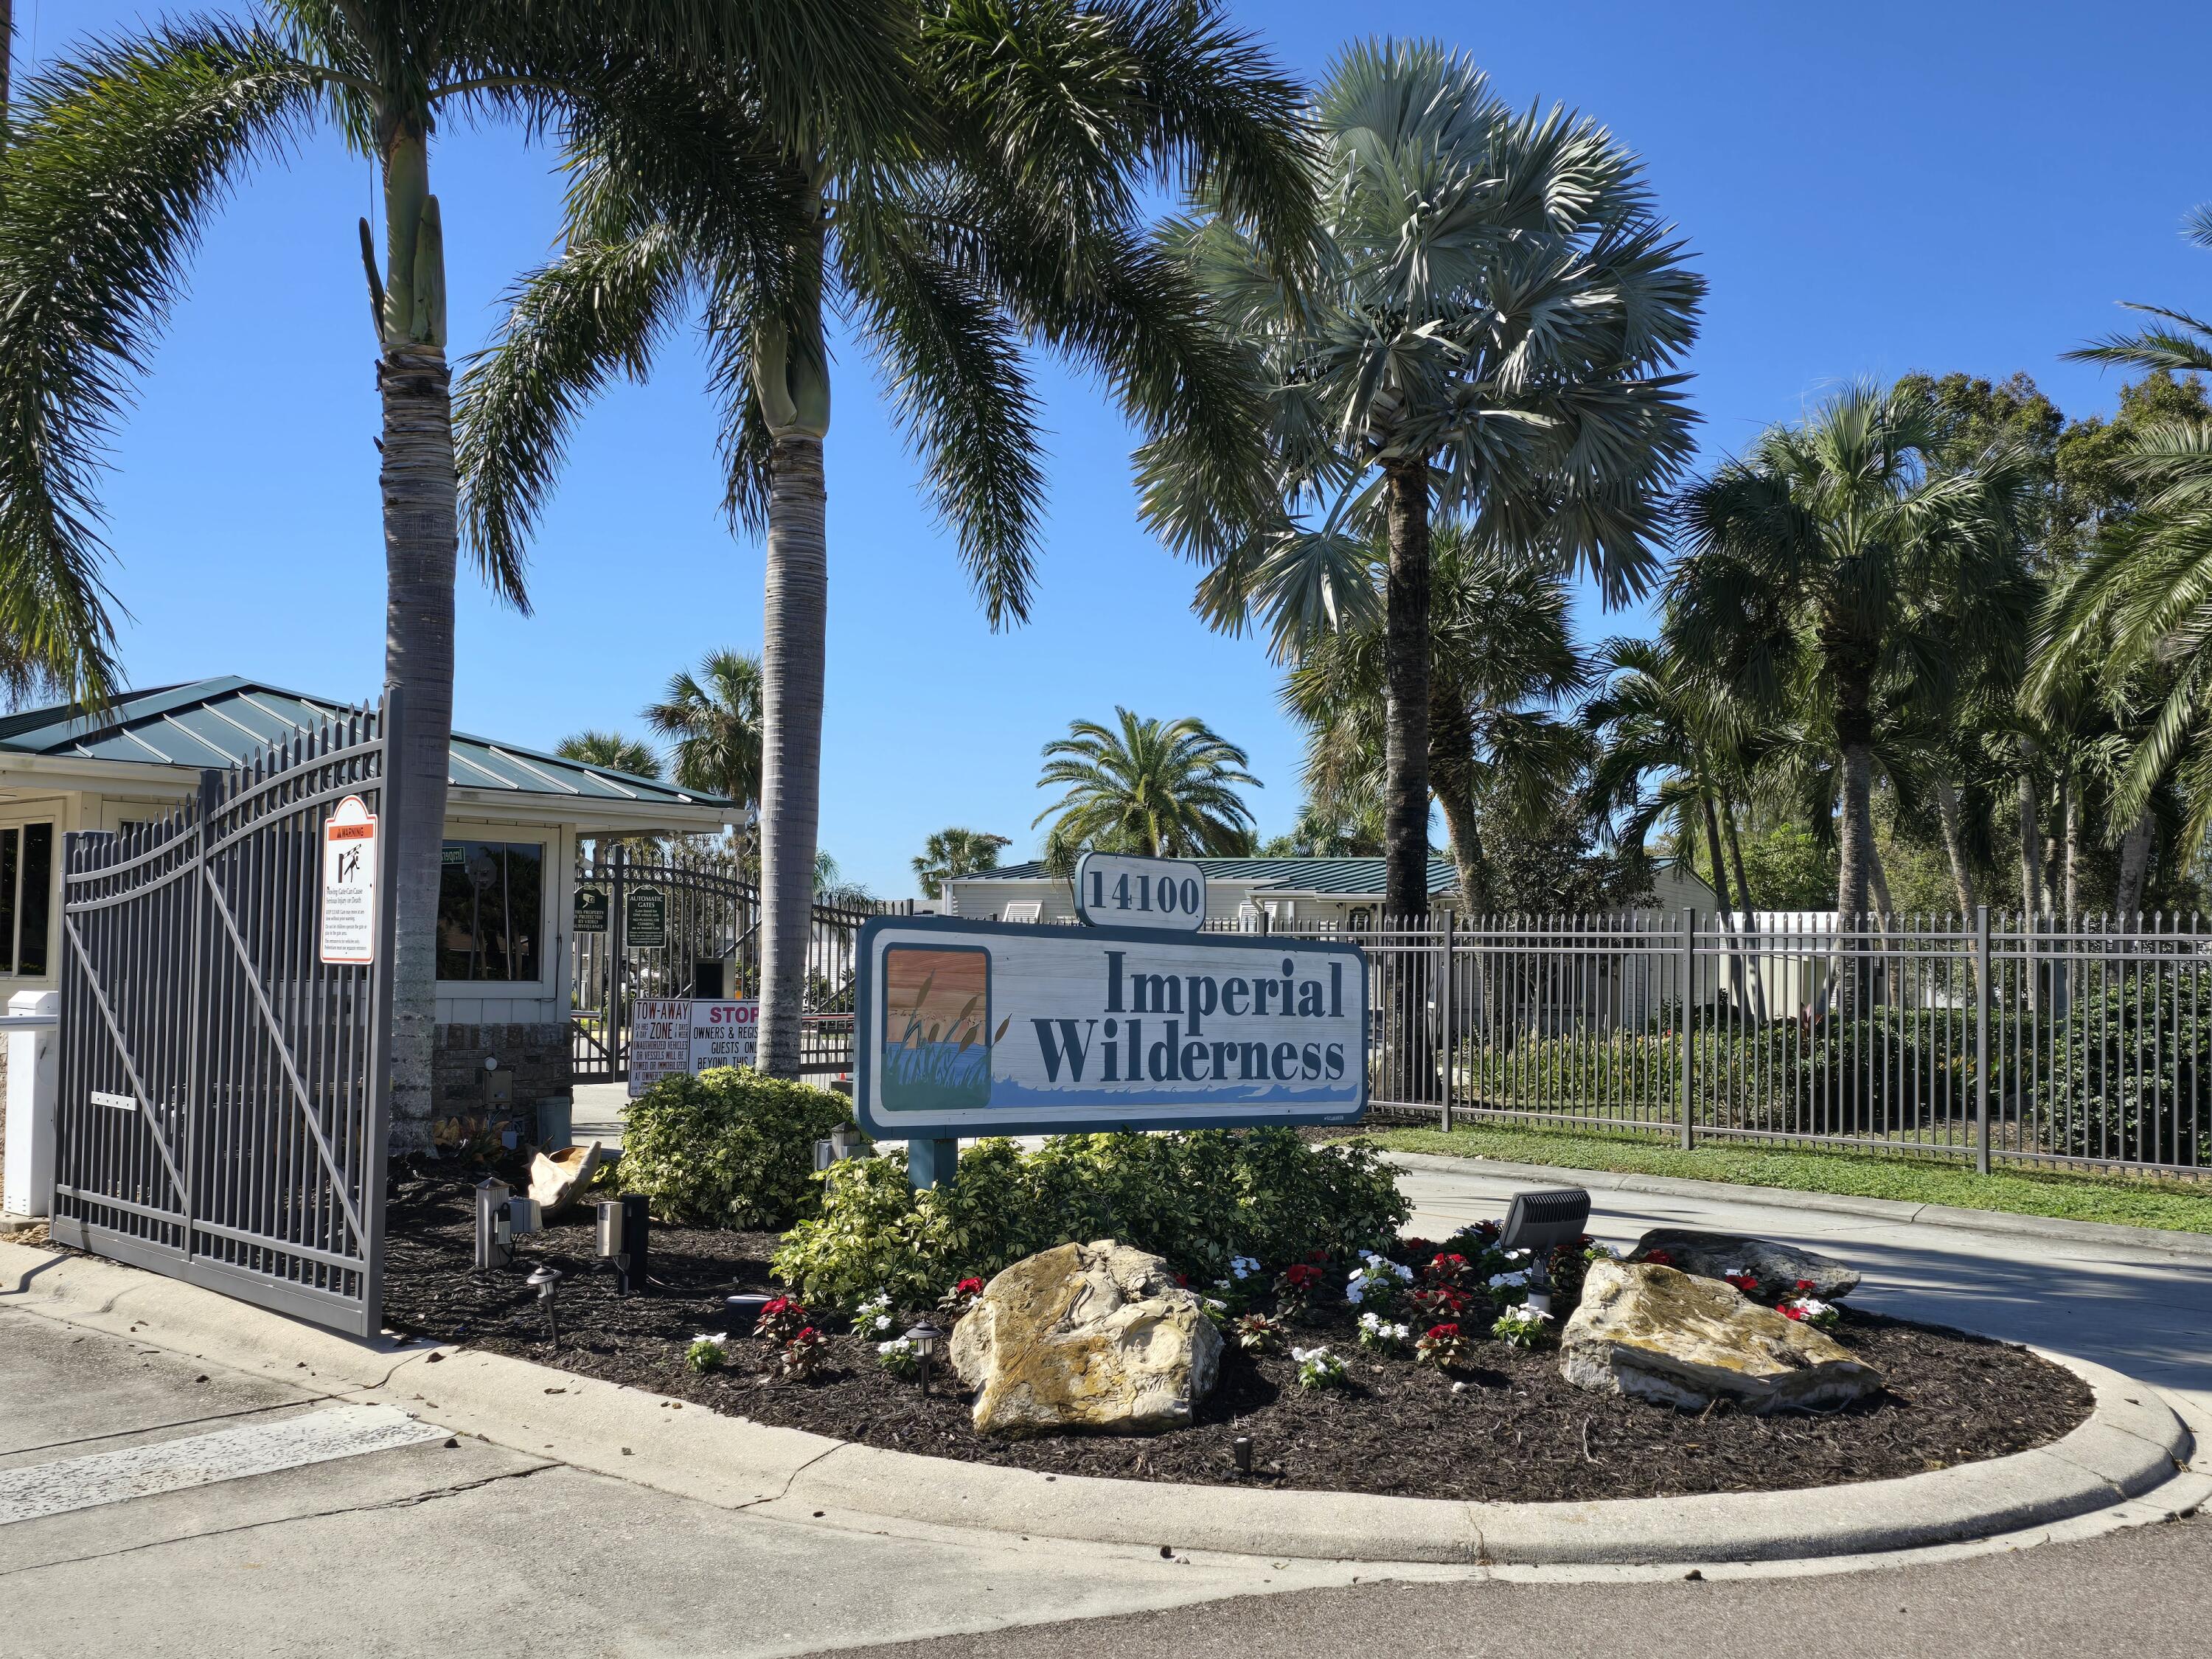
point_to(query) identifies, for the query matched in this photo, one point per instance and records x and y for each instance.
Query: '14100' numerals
(1167, 897)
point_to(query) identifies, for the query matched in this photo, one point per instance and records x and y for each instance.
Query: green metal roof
(1354, 877)
(223, 722)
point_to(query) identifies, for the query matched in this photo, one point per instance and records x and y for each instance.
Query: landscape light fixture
(542, 1281)
(845, 1141)
(1240, 1449)
(494, 1226)
(624, 1230)
(745, 1308)
(927, 1339)
(1538, 1222)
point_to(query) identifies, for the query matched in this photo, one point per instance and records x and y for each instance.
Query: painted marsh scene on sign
(936, 1036)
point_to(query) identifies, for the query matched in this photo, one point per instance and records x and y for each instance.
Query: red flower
(1443, 1332)
(1791, 1310)
(1301, 1275)
(1660, 1258)
(1418, 1247)
(808, 1334)
(974, 1287)
(1805, 1287)
(781, 1304)
(1447, 1264)
(1183, 1280)
(1745, 1282)
(1318, 1255)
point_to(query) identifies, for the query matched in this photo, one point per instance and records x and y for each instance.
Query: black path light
(542, 1281)
(1538, 1222)
(927, 1339)
(623, 1232)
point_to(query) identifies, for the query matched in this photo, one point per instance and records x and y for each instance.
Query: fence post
(1689, 973)
(1449, 1000)
(616, 1069)
(200, 1015)
(392, 727)
(1981, 1039)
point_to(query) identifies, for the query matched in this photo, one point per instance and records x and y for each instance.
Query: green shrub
(1198, 1197)
(727, 1148)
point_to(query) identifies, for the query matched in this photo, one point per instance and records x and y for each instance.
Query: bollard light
(542, 1281)
(1538, 1221)
(1240, 1449)
(494, 1226)
(927, 1339)
(623, 1227)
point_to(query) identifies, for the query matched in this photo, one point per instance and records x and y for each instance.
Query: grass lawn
(2176, 1206)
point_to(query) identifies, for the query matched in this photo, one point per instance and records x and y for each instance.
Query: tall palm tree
(119, 160)
(997, 203)
(1489, 335)
(714, 718)
(1501, 658)
(612, 751)
(955, 852)
(1813, 564)
(1167, 789)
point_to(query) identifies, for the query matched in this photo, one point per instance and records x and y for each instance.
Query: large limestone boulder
(1086, 1336)
(1680, 1339)
(1777, 1267)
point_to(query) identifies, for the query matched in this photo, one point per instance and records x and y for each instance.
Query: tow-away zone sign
(349, 875)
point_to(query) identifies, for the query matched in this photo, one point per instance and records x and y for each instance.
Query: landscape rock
(555, 1178)
(1680, 1339)
(1086, 1336)
(1777, 1267)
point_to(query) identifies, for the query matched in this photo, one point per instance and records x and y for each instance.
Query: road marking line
(32, 1490)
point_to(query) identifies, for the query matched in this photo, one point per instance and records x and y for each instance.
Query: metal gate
(705, 941)
(223, 1090)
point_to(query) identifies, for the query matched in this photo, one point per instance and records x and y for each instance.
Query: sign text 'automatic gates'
(979, 1028)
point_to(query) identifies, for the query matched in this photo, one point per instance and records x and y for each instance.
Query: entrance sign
(644, 918)
(979, 1027)
(659, 1041)
(1120, 889)
(590, 914)
(349, 910)
(724, 1033)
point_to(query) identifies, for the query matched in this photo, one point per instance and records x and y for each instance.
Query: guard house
(514, 817)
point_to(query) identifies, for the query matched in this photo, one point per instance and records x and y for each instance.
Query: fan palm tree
(1814, 565)
(714, 718)
(1489, 335)
(119, 160)
(950, 852)
(1001, 209)
(1501, 657)
(2141, 605)
(1165, 789)
(612, 751)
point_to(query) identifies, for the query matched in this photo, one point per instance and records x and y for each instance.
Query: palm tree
(994, 203)
(1164, 789)
(1489, 334)
(714, 718)
(119, 160)
(612, 751)
(1501, 656)
(954, 852)
(1816, 565)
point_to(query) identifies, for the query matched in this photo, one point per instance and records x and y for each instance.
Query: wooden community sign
(981, 1028)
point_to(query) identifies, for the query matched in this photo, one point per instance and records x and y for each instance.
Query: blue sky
(1869, 189)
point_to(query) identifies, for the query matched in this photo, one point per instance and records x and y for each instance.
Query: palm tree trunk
(1954, 844)
(794, 621)
(1406, 676)
(2031, 833)
(2135, 849)
(1466, 832)
(1857, 855)
(1750, 913)
(2069, 798)
(421, 540)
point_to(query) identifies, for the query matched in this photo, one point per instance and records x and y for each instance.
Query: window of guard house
(27, 879)
(491, 910)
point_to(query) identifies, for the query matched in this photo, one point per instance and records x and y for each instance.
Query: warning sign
(724, 1033)
(659, 1041)
(350, 857)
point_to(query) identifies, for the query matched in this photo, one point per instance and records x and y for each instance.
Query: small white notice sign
(350, 859)
(659, 1041)
(724, 1033)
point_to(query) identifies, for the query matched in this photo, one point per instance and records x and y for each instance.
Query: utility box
(498, 1089)
(27, 1184)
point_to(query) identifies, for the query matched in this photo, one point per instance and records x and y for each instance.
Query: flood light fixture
(1539, 1222)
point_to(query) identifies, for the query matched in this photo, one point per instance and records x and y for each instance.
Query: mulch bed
(1517, 1433)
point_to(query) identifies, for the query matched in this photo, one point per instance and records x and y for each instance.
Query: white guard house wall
(60, 771)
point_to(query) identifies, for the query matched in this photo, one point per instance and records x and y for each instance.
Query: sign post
(348, 927)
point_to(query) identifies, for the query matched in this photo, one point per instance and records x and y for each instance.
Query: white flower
(1459, 1387)
(1242, 1266)
(1811, 1306)
(1509, 1281)
(1220, 1284)
(1733, 1273)
(1357, 1289)
(719, 1338)
(897, 1345)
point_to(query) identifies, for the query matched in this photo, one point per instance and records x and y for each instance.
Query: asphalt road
(153, 1504)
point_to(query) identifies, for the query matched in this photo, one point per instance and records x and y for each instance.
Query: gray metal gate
(224, 1093)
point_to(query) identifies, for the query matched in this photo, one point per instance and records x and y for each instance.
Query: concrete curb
(2132, 1444)
(1951, 1215)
